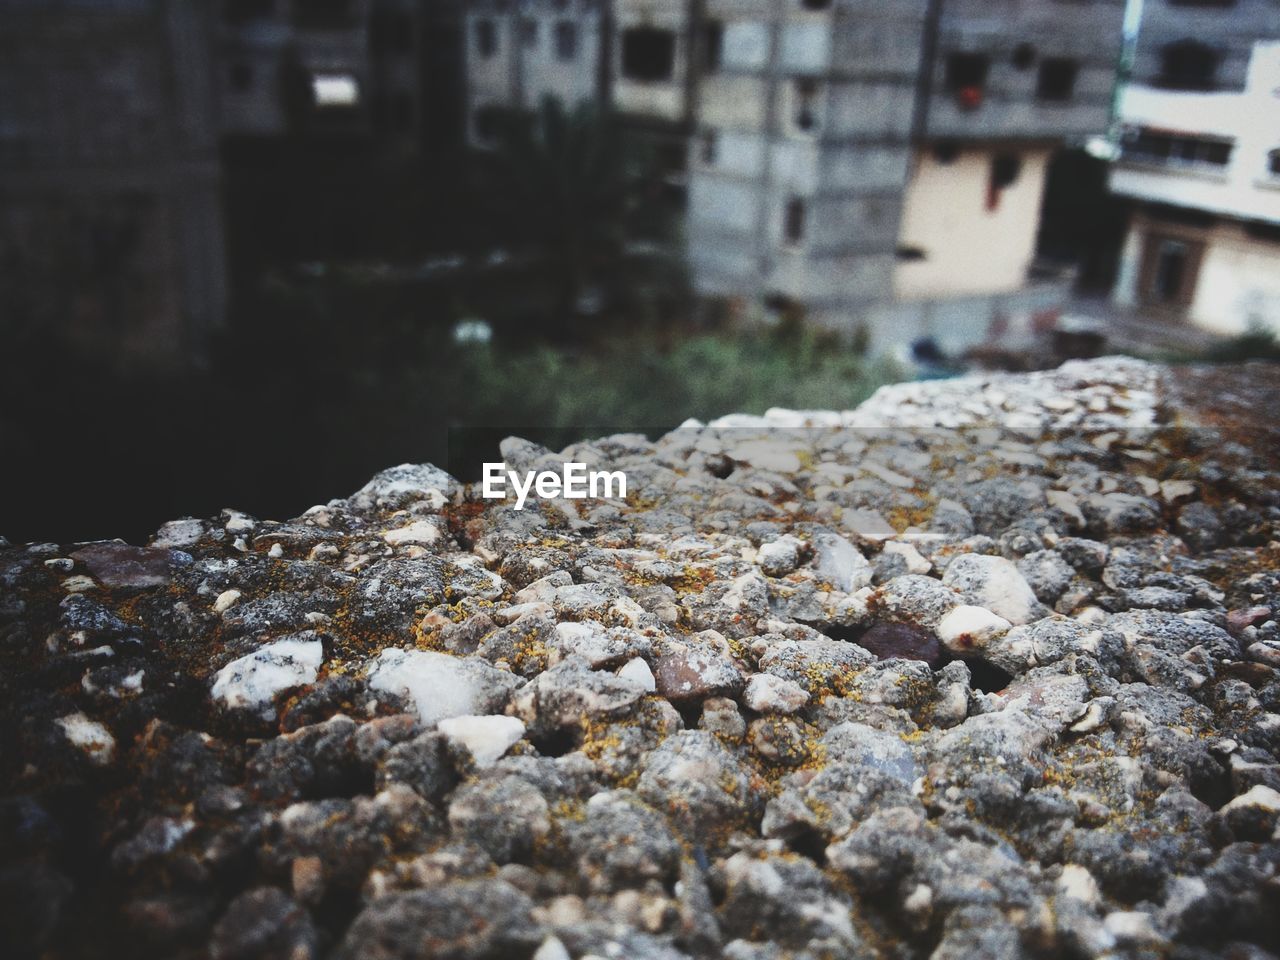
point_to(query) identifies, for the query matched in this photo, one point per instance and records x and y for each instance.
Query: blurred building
(327, 67)
(864, 163)
(115, 120)
(1200, 159)
(883, 164)
(110, 218)
(519, 53)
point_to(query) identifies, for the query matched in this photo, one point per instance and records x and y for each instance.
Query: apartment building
(324, 67)
(110, 214)
(519, 53)
(1200, 161)
(855, 161)
(882, 165)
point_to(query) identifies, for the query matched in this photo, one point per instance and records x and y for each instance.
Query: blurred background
(252, 251)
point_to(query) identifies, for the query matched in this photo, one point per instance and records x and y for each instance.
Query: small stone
(994, 583)
(720, 716)
(1243, 617)
(90, 737)
(696, 675)
(906, 641)
(226, 600)
(420, 531)
(252, 681)
(119, 565)
(486, 738)
(766, 693)
(779, 557)
(968, 629)
(638, 672)
(1177, 491)
(440, 686)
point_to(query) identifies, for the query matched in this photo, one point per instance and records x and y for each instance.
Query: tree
(571, 186)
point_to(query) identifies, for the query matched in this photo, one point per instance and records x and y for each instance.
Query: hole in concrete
(810, 843)
(987, 677)
(556, 744)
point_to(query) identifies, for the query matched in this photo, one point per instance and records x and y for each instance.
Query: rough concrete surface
(984, 668)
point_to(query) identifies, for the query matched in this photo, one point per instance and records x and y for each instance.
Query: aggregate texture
(986, 667)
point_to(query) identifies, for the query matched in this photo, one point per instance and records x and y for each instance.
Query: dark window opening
(241, 76)
(967, 78)
(709, 149)
(648, 54)
(806, 100)
(1152, 146)
(1057, 80)
(240, 11)
(1170, 273)
(672, 157)
(1261, 230)
(793, 227)
(675, 196)
(566, 40)
(1188, 65)
(815, 4)
(1005, 168)
(909, 254)
(486, 38)
(1273, 163)
(946, 152)
(1024, 55)
(1184, 216)
(529, 33)
(712, 46)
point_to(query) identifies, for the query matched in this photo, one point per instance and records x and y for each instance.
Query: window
(566, 40)
(1005, 170)
(967, 77)
(1273, 162)
(712, 46)
(1261, 230)
(1170, 270)
(1153, 146)
(815, 4)
(529, 33)
(486, 39)
(793, 221)
(330, 90)
(806, 97)
(1024, 55)
(709, 147)
(648, 54)
(1057, 80)
(1188, 65)
(946, 152)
